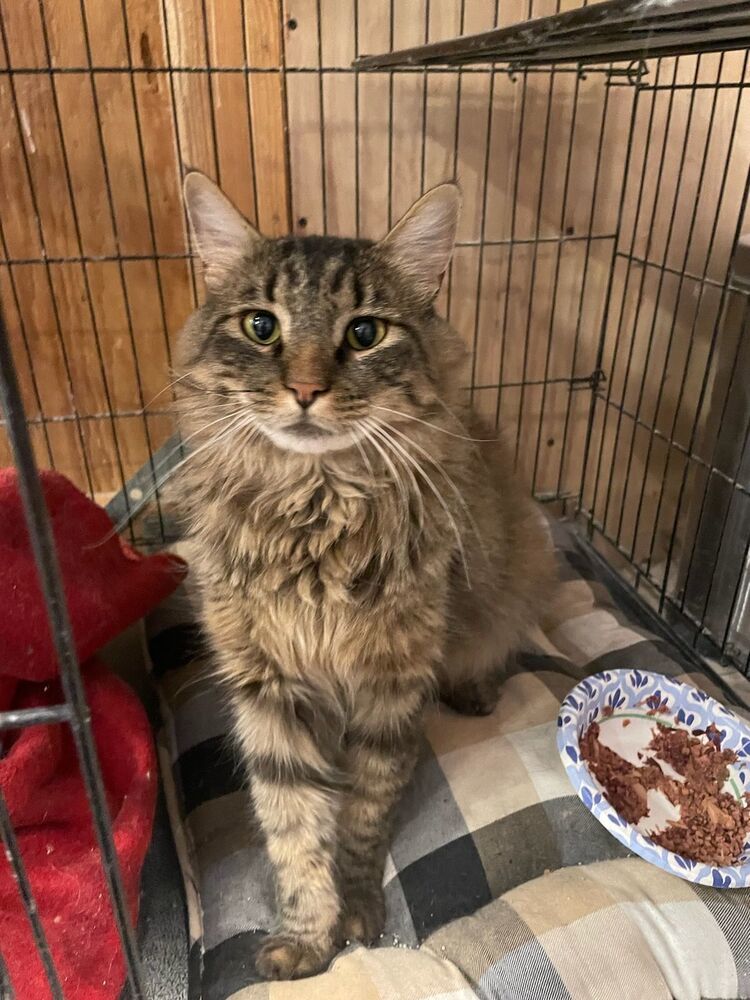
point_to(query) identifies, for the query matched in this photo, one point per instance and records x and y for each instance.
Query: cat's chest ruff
(318, 544)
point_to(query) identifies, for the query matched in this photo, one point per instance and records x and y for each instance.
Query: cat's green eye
(365, 332)
(261, 327)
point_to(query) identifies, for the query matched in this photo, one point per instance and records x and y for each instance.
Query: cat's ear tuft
(421, 244)
(222, 235)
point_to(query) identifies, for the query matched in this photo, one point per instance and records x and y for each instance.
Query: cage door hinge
(631, 75)
(592, 381)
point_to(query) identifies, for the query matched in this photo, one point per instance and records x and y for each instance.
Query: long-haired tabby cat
(354, 550)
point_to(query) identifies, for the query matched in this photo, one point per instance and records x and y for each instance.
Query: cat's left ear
(421, 244)
(222, 234)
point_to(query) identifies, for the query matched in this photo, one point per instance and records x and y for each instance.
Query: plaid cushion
(499, 883)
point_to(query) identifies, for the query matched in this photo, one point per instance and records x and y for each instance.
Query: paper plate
(629, 694)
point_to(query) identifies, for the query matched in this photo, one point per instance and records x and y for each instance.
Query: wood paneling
(92, 220)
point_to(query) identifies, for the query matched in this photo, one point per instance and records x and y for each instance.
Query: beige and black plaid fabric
(499, 883)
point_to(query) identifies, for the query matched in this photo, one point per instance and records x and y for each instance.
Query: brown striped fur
(349, 569)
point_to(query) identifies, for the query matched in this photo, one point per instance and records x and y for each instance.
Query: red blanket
(108, 586)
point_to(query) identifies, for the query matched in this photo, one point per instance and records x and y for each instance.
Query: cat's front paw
(283, 956)
(472, 697)
(364, 914)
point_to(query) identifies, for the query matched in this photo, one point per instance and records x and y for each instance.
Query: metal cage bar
(616, 30)
(78, 714)
(8, 837)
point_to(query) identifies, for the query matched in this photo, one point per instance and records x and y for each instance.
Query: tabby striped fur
(355, 558)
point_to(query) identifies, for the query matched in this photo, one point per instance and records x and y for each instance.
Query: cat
(354, 551)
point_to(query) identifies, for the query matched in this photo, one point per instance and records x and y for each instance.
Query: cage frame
(522, 50)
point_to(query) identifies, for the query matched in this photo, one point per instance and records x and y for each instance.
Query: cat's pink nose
(306, 392)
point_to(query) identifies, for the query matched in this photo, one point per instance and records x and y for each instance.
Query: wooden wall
(524, 149)
(92, 221)
(108, 102)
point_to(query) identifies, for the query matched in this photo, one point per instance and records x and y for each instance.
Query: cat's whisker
(236, 418)
(396, 447)
(202, 391)
(183, 440)
(238, 426)
(229, 393)
(416, 489)
(161, 392)
(365, 458)
(415, 485)
(203, 677)
(401, 486)
(195, 401)
(419, 420)
(441, 468)
(384, 436)
(457, 419)
(148, 495)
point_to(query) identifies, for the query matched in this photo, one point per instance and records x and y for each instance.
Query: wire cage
(601, 278)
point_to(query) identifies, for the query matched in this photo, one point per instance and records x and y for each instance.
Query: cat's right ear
(421, 244)
(221, 233)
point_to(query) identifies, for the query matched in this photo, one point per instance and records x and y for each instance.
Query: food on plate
(689, 770)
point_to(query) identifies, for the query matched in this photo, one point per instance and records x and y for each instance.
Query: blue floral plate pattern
(623, 693)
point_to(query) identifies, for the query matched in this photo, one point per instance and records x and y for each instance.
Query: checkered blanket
(499, 883)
